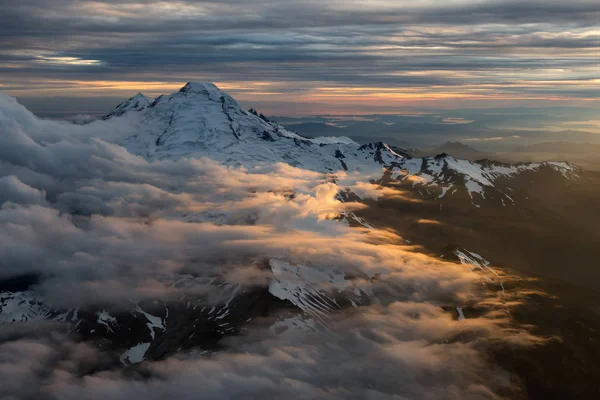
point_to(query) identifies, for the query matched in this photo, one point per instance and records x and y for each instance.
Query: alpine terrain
(189, 224)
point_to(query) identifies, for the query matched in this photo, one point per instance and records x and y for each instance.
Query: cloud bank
(335, 56)
(112, 229)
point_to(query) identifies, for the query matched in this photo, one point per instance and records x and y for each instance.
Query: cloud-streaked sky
(306, 57)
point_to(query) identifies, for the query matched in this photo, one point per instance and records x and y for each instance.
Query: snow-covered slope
(22, 307)
(201, 120)
(136, 103)
(316, 292)
(443, 175)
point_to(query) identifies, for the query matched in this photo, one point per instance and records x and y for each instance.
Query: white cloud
(110, 228)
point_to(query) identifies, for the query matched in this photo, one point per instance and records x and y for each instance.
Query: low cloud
(428, 221)
(373, 191)
(400, 350)
(112, 229)
(492, 139)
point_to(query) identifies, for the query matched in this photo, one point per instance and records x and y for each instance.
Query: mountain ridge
(202, 120)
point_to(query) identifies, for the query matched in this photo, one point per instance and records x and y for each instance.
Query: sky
(292, 57)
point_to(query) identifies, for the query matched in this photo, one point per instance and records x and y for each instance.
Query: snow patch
(135, 355)
(105, 319)
(153, 322)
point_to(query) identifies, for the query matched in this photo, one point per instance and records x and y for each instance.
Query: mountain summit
(136, 103)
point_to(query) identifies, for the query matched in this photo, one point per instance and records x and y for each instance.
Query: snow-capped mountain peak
(200, 87)
(136, 103)
(202, 120)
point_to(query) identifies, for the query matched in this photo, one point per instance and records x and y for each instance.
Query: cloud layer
(111, 229)
(343, 54)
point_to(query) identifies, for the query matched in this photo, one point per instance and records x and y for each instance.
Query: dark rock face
(163, 329)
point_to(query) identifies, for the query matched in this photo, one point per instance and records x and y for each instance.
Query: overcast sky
(305, 56)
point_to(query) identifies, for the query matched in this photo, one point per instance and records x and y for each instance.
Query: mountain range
(443, 203)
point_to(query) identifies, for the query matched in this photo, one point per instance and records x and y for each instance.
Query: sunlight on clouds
(429, 222)
(113, 12)
(492, 139)
(67, 61)
(337, 53)
(128, 85)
